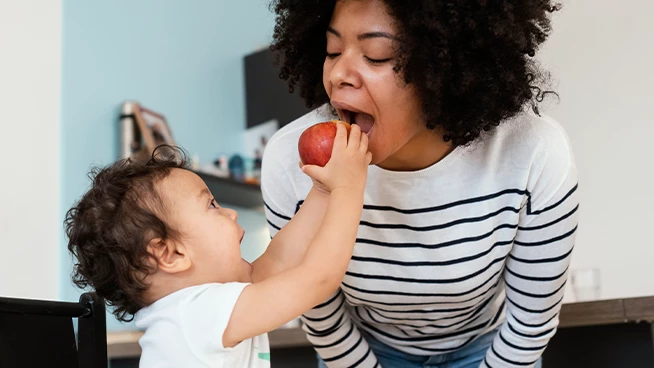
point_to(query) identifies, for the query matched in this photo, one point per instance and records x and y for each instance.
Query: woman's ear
(171, 256)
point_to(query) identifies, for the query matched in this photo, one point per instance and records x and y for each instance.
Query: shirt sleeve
(328, 326)
(205, 314)
(335, 337)
(279, 198)
(537, 267)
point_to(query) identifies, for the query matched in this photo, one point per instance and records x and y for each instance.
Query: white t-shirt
(185, 329)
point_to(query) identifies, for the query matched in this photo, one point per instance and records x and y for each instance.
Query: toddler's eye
(213, 204)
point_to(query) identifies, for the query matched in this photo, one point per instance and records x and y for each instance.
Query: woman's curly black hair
(471, 61)
(109, 228)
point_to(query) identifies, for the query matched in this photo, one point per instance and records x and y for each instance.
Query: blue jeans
(469, 356)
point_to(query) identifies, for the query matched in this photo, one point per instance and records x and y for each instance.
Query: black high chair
(40, 333)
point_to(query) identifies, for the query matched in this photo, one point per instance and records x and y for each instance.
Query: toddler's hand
(348, 166)
(316, 184)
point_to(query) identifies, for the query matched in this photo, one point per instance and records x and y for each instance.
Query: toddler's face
(209, 232)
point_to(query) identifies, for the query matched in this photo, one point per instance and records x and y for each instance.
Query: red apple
(316, 142)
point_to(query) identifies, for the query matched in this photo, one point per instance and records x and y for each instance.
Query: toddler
(152, 241)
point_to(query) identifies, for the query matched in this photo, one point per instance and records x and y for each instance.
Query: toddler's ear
(171, 256)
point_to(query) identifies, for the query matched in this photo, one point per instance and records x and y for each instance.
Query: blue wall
(181, 58)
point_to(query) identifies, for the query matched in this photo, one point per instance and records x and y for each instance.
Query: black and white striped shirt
(481, 239)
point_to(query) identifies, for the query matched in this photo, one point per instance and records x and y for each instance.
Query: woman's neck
(423, 150)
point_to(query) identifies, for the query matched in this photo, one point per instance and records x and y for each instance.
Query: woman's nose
(344, 73)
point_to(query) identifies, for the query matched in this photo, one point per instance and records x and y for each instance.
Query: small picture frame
(153, 128)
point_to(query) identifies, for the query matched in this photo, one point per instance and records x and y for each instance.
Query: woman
(471, 203)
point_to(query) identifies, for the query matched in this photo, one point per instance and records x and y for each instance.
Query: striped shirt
(480, 240)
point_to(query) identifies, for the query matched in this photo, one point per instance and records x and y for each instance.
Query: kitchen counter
(593, 313)
(613, 333)
(125, 344)
(604, 312)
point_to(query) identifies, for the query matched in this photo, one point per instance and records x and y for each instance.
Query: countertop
(125, 344)
(592, 313)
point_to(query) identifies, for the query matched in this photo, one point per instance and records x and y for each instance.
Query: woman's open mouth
(348, 114)
(365, 121)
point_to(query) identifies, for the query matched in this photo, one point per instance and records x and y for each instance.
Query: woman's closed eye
(378, 61)
(334, 55)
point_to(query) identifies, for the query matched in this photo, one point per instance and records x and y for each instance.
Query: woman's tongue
(364, 121)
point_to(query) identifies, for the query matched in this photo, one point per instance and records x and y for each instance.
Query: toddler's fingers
(355, 136)
(363, 146)
(314, 172)
(340, 141)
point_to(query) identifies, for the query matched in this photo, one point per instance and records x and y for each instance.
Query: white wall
(602, 55)
(30, 100)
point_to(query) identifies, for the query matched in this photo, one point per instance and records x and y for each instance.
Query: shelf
(231, 192)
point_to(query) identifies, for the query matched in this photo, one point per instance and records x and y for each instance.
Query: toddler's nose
(232, 214)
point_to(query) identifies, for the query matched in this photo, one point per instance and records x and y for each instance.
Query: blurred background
(67, 68)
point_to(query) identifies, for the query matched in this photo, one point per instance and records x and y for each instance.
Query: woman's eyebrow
(365, 36)
(369, 35)
(333, 31)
